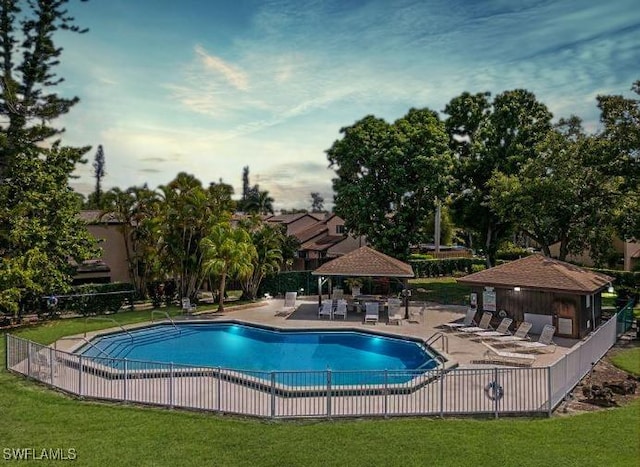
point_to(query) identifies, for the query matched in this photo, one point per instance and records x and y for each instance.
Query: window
(340, 229)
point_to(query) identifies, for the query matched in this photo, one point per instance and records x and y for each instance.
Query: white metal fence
(313, 394)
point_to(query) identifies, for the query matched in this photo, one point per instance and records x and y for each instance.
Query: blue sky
(208, 87)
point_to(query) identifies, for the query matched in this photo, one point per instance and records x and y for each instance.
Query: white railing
(313, 394)
(567, 372)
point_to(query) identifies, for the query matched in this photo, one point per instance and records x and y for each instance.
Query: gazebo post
(405, 295)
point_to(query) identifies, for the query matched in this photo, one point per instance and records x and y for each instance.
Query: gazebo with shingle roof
(363, 262)
(541, 290)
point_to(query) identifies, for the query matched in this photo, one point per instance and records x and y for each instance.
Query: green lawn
(628, 360)
(112, 434)
(445, 290)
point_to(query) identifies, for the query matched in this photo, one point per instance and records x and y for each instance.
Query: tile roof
(541, 273)
(366, 262)
(93, 217)
(322, 243)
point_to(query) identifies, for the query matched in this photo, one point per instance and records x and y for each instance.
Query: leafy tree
(389, 175)
(188, 213)
(138, 210)
(317, 202)
(620, 117)
(95, 200)
(563, 195)
(489, 137)
(269, 241)
(39, 226)
(227, 252)
(258, 201)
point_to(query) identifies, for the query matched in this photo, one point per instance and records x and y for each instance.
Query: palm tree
(227, 252)
(268, 240)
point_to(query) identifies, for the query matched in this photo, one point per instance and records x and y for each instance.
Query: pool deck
(463, 350)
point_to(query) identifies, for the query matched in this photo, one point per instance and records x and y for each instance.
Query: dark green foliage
(89, 299)
(444, 267)
(289, 281)
(389, 176)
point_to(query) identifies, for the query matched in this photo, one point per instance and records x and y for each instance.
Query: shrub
(444, 267)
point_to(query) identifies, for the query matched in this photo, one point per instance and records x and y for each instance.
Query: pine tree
(39, 224)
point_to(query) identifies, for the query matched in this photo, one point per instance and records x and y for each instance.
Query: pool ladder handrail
(87, 341)
(439, 336)
(168, 317)
(103, 318)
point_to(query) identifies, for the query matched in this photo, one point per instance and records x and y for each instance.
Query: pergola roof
(541, 273)
(365, 262)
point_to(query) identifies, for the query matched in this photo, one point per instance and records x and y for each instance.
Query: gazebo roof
(541, 273)
(365, 262)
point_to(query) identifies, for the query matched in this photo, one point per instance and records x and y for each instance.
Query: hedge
(89, 299)
(445, 267)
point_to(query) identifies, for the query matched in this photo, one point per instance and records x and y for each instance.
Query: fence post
(29, 359)
(171, 385)
(496, 398)
(329, 393)
(125, 382)
(442, 393)
(273, 394)
(51, 366)
(219, 395)
(386, 392)
(80, 375)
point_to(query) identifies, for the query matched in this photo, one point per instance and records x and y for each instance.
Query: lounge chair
(544, 343)
(521, 334)
(394, 311)
(468, 321)
(484, 325)
(341, 309)
(371, 312)
(493, 355)
(326, 309)
(187, 307)
(289, 305)
(501, 330)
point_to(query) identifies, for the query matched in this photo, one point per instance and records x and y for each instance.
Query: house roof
(322, 243)
(366, 262)
(541, 273)
(99, 217)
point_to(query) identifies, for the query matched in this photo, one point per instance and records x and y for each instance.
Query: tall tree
(620, 117)
(269, 241)
(39, 226)
(188, 213)
(486, 137)
(99, 172)
(227, 252)
(317, 202)
(562, 196)
(389, 176)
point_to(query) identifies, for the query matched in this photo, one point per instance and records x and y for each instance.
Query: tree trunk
(223, 284)
(487, 246)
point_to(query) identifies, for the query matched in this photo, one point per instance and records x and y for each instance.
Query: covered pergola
(364, 262)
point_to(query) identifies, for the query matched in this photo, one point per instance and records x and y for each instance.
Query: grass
(119, 434)
(444, 290)
(628, 360)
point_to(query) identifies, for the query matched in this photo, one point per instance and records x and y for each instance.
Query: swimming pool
(353, 357)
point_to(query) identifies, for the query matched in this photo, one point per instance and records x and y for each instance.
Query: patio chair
(187, 307)
(395, 316)
(501, 330)
(341, 309)
(326, 309)
(483, 325)
(371, 312)
(521, 334)
(493, 355)
(544, 343)
(289, 305)
(468, 321)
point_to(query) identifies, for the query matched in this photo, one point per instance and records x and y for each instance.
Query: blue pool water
(250, 349)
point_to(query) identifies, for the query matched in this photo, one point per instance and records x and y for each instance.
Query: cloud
(234, 76)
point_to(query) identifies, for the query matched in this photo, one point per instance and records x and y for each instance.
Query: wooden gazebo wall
(517, 303)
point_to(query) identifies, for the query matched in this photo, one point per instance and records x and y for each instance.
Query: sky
(210, 86)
